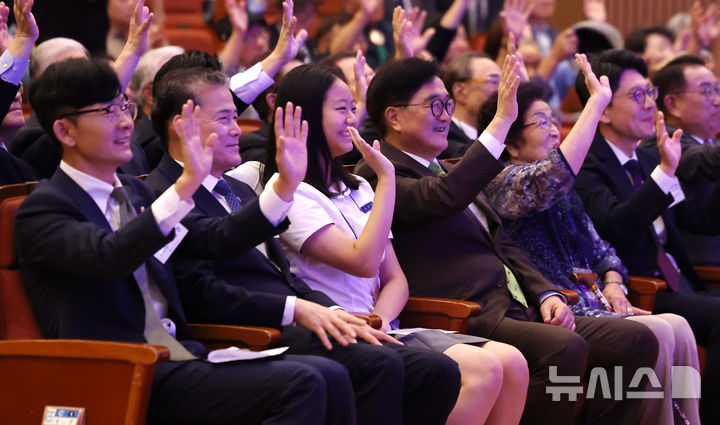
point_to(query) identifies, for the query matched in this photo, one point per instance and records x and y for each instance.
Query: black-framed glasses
(708, 91)
(543, 122)
(436, 106)
(111, 111)
(639, 95)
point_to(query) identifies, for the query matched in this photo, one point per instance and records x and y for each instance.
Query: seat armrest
(438, 313)
(646, 285)
(222, 336)
(709, 275)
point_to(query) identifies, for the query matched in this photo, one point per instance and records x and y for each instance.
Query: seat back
(17, 319)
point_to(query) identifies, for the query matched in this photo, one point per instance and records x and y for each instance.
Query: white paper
(165, 252)
(408, 331)
(232, 354)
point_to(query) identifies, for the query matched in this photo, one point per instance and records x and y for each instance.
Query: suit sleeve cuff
(12, 69)
(272, 206)
(248, 85)
(492, 144)
(289, 312)
(168, 209)
(547, 294)
(668, 185)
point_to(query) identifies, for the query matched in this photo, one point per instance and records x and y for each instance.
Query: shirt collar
(98, 190)
(424, 162)
(697, 139)
(620, 155)
(470, 131)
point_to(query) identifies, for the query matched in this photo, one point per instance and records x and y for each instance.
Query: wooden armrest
(646, 285)
(438, 313)
(136, 353)
(572, 296)
(373, 320)
(111, 380)
(709, 275)
(222, 336)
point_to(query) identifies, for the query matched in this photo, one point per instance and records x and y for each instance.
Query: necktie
(514, 287)
(669, 272)
(633, 168)
(435, 168)
(224, 190)
(155, 333)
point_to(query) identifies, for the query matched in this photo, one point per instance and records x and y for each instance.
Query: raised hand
(291, 158)
(565, 45)
(507, 108)
(27, 30)
(369, 7)
(376, 160)
(288, 42)
(512, 51)
(196, 155)
(669, 147)
(705, 24)
(359, 86)
(5, 38)
(238, 15)
(406, 32)
(595, 10)
(140, 22)
(515, 16)
(599, 89)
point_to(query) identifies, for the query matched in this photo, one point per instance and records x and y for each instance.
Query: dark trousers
(395, 384)
(596, 342)
(702, 311)
(283, 390)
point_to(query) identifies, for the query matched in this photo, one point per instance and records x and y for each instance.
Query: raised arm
(136, 43)
(363, 256)
(27, 30)
(229, 56)
(288, 42)
(344, 39)
(576, 144)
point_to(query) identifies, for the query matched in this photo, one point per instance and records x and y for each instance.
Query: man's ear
(392, 118)
(147, 93)
(270, 99)
(671, 105)
(604, 117)
(459, 91)
(512, 151)
(64, 131)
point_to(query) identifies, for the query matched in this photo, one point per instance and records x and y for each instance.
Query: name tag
(366, 208)
(165, 252)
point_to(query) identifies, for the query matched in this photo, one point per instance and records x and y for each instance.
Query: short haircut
(527, 94)
(611, 63)
(306, 86)
(671, 77)
(148, 66)
(70, 85)
(332, 60)
(458, 70)
(47, 52)
(637, 40)
(189, 59)
(174, 89)
(395, 83)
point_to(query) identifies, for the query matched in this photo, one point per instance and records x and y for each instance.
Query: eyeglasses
(706, 90)
(493, 80)
(111, 111)
(639, 95)
(543, 122)
(436, 106)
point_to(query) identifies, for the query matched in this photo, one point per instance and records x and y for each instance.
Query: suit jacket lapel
(615, 171)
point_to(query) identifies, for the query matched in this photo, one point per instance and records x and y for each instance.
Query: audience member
(451, 244)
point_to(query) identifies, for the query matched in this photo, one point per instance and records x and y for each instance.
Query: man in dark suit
(451, 244)
(429, 381)
(687, 95)
(629, 194)
(87, 243)
(471, 78)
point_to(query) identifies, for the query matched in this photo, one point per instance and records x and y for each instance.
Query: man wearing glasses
(630, 194)
(690, 99)
(470, 78)
(451, 244)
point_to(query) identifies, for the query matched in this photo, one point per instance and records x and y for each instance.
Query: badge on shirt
(367, 207)
(165, 252)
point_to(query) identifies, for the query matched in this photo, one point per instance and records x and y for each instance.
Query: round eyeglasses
(639, 95)
(436, 106)
(112, 112)
(543, 122)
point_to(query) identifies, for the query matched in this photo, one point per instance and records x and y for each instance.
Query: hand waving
(238, 15)
(507, 107)
(595, 10)
(140, 22)
(599, 89)
(197, 156)
(515, 16)
(291, 158)
(376, 160)
(669, 148)
(288, 42)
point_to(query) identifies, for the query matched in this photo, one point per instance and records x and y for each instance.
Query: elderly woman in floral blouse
(534, 196)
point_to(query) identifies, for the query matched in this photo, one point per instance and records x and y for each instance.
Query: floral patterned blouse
(546, 218)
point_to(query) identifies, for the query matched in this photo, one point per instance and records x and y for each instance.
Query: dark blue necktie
(224, 190)
(633, 168)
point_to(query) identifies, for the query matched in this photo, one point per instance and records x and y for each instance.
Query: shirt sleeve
(668, 184)
(306, 216)
(247, 85)
(289, 312)
(168, 209)
(492, 144)
(12, 69)
(272, 206)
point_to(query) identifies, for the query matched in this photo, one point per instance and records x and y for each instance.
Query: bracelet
(617, 282)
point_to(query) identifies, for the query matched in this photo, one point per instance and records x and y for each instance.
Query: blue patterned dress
(546, 218)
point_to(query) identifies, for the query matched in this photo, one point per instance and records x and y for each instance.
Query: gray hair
(50, 51)
(148, 66)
